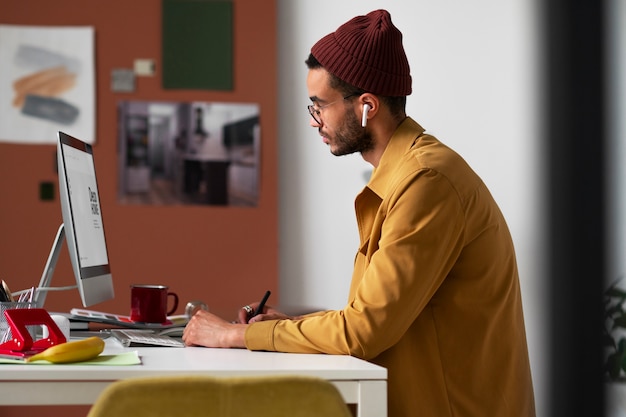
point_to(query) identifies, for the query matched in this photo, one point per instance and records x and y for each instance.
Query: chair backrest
(200, 396)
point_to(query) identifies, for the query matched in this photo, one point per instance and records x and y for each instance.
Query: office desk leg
(372, 399)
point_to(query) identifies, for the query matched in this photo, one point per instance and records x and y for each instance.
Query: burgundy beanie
(367, 52)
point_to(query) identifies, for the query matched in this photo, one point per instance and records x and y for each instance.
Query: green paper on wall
(198, 44)
(120, 359)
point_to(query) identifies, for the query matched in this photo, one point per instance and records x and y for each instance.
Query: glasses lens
(313, 113)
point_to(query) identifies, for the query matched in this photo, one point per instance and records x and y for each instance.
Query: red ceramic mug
(148, 303)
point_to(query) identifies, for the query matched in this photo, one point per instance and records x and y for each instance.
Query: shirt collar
(401, 141)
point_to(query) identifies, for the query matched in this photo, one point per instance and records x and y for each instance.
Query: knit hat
(367, 52)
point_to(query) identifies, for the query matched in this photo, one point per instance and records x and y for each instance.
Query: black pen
(259, 309)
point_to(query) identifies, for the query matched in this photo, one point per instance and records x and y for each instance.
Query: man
(435, 294)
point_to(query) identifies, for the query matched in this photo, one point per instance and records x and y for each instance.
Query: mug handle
(173, 294)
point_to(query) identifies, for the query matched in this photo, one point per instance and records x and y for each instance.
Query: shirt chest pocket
(368, 248)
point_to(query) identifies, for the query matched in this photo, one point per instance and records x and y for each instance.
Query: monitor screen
(82, 220)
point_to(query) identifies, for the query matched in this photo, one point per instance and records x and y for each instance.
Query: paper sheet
(121, 359)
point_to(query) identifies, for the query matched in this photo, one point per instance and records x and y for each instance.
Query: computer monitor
(82, 227)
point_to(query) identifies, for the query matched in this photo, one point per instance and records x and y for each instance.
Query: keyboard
(137, 337)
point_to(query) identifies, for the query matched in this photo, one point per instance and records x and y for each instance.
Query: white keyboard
(136, 337)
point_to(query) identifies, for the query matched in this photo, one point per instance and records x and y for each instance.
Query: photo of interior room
(188, 153)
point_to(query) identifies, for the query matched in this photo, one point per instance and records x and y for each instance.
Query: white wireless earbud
(366, 108)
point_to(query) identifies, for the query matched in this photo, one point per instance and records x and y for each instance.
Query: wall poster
(189, 153)
(47, 83)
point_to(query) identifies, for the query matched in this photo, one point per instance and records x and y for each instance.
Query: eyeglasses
(315, 112)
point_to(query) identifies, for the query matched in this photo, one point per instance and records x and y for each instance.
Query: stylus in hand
(259, 309)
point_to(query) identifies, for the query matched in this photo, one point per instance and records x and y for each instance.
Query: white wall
(475, 76)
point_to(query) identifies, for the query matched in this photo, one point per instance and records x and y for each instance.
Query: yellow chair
(200, 396)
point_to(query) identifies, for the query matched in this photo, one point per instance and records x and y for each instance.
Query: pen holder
(5, 328)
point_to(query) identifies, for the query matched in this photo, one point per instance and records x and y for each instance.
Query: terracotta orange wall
(224, 256)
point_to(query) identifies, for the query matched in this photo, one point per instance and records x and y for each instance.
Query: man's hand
(209, 330)
(206, 329)
(268, 313)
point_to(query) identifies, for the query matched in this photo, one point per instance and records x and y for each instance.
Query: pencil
(259, 309)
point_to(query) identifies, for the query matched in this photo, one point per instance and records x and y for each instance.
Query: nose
(313, 122)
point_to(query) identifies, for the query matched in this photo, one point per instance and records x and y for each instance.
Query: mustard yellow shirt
(435, 294)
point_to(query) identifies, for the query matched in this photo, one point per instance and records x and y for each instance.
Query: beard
(351, 137)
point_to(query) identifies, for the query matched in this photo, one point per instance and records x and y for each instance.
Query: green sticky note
(198, 44)
(120, 359)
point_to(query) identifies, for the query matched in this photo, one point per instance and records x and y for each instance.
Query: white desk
(359, 382)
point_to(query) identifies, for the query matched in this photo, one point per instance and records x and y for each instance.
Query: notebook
(92, 316)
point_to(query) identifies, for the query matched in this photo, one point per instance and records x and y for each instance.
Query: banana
(75, 351)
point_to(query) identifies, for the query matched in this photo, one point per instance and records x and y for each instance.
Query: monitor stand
(44, 284)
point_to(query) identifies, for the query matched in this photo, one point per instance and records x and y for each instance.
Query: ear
(369, 107)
